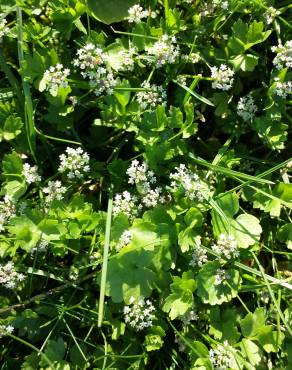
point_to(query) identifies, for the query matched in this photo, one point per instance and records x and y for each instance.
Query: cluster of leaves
(239, 306)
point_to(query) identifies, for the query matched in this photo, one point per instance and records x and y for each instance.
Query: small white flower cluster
(124, 240)
(246, 108)
(143, 178)
(54, 190)
(55, 77)
(8, 276)
(189, 183)
(221, 277)
(127, 58)
(139, 173)
(199, 257)
(102, 81)
(41, 247)
(88, 58)
(154, 96)
(222, 357)
(5, 330)
(139, 315)
(7, 210)
(164, 51)
(189, 316)
(181, 344)
(270, 14)
(75, 162)
(136, 13)
(3, 28)
(30, 173)
(223, 77)
(283, 59)
(91, 60)
(127, 204)
(226, 246)
(192, 57)
(282, 89)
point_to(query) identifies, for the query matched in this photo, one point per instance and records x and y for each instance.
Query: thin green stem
(105, 259)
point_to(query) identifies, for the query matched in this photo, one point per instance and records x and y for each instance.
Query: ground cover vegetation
(145, 210)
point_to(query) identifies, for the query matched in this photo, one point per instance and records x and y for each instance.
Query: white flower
(127, 58)
(270, 14)
(54, 190)
(125, 239)
(189, 183)
(30, 173)
(189, 316)
(75, 162)
(8, 276)
(283, 59)
(192, 57)
(221, 277)
(181, 344)
(246, 108)
(7, 210)
(199, 257)
(163, 51)
(282, 89)
(126, 203)
(88, 58)
(102, 81)
(226, 246)
(3, 28)
(139, 173)
(6, 329)
(154, 96)
(139, 315)
(55, 77)
(223, 77)
(136, 13)
(222, 357)
(41, 247)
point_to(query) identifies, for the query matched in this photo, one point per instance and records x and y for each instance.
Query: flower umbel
(30, 173)
(246, 108)
(226, 246)
(223, 77)
(222, 357)
(75, 163)
(282, 89)
(54, 190)
(7, 210)
(164, 51)
(5, 330)
(8, 276)
(154, 96)
(199, 257)
(54, 78)
(283, 59)
(139, 315)
(3, 28)
(126, 203)
(189, 183)
(136, 13)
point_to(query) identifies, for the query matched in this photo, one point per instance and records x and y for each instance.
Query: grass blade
(105, 259)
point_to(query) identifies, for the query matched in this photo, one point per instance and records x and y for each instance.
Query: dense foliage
(145, 210)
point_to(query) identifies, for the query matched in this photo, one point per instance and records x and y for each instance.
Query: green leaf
(245, 62)
(252, 352)
(14, 185)
(228, 203)
(12, 128)
(246, 229)
(223, 324)
(284, 234)
(181, 298)
(55, 351)
(212, 293)
(272, 132)
(153, 342)
(110, 11)
(252, 323)
(134, 270)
